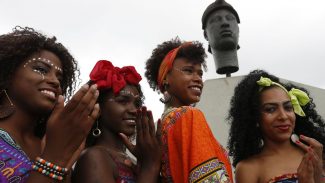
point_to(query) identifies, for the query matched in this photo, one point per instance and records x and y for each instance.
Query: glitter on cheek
(43, 77)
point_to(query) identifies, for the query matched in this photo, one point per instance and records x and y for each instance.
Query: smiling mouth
(48, 93)
(196, 89)
(283, 128)
(130, 121)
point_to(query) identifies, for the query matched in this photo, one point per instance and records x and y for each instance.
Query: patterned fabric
(190, 151)
(125, 173)
(14, 163)
(286, 178)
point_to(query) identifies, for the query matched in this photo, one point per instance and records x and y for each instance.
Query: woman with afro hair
(190, 153)
(276, 134)
(38, 133)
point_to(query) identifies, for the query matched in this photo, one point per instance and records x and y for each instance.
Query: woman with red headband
(190, 153)
(105, 160)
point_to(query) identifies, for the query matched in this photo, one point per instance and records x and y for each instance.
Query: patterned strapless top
(286, 178)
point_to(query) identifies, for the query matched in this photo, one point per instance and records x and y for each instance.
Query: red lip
(283, 128)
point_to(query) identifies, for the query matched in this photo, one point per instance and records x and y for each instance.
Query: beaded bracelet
(51, 165)
(49, 169)
(47, 173)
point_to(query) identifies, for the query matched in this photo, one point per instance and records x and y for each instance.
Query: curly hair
(17, 46)
(91, 140)
(194, 53)
(244, 115)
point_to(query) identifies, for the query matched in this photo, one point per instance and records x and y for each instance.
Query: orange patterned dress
(190, 151)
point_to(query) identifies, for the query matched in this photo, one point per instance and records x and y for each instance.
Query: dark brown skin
(96, 164)
(67, 126)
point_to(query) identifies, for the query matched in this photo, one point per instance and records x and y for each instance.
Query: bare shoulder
(94, 165)
(247, 171)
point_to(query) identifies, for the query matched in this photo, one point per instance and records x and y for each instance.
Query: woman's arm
(94, 166)
(245, 172)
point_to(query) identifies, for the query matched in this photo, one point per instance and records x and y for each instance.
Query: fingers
(139, 135)
(151, 124)
(94, 114)
(311, 143)
(127, 143)
(86, 104)
(158, 132)
(72, 104)
(144, 122)
(305, 170)
(59, 106)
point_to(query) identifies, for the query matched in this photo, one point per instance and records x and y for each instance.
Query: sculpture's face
(222, 30)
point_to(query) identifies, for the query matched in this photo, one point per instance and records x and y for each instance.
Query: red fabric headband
(106, 76)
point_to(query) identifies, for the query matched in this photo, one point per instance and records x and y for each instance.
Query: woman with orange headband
(190, 153)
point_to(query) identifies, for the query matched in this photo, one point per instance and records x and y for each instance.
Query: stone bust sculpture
(220, 24)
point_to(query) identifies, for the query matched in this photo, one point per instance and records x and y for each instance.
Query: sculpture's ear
(205, 35)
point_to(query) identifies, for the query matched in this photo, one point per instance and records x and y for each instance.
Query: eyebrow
(192, 67)
(128, 95)
(277, 103)
(49, 66)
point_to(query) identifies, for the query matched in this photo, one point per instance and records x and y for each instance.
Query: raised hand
(69, 125)
(147, 149)
(314, 152)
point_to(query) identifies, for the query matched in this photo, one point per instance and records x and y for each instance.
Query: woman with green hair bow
(276, 135)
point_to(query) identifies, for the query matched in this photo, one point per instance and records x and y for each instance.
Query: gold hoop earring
(6, 110)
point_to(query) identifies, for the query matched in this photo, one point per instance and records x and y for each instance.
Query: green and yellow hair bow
(298, 97)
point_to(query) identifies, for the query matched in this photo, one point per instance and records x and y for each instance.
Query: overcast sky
(284, 37)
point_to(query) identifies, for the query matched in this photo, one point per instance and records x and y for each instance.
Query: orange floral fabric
(190, 151)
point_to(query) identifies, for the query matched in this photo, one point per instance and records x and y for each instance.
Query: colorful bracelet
(47, 173)
(51, 165)
(51, 170)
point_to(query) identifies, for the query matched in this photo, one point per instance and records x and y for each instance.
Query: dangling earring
(261, 144)
(97, 132)
(167, 97)
(294, 138)
(6, 110)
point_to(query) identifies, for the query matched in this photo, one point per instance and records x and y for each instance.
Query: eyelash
(137, 103)
(40, 70)
(288, 108)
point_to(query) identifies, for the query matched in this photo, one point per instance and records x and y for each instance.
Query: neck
(225, 59)
(111, 140)
(278, 147)
(174, 103)
(20, 124)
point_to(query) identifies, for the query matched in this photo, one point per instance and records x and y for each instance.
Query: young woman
(190, 151)
(264, 114)
(105, 160)
(36, 73)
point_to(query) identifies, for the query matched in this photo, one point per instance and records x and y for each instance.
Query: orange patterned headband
(167, 64)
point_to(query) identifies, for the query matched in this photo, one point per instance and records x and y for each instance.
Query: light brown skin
(181, 79)
(67, 125)
(279, 156)
(96, 164)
